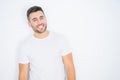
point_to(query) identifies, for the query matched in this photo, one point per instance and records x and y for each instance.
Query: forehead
(36, 14)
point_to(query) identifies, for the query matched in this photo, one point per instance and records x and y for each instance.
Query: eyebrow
(34, 18)
(41, 16)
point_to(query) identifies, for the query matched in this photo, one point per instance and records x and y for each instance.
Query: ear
(29, 23)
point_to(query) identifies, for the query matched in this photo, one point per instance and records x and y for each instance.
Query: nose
(39, 21)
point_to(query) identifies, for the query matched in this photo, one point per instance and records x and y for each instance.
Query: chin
(40, 31)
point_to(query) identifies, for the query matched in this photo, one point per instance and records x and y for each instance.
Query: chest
(44, 53)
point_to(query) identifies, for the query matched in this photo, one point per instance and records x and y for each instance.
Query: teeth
(40, 27)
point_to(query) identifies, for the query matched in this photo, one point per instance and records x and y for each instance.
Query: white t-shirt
(45, 56)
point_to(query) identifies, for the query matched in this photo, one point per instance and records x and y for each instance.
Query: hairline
(34, 12)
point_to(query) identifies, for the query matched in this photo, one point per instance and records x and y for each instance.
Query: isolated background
(91, 26)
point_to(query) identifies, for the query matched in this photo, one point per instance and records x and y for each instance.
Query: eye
(34, 19)
(41, 17)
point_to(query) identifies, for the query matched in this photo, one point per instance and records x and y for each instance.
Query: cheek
(34, 24)
(44, 20)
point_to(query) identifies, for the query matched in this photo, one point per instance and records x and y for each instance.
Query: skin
(37, 21)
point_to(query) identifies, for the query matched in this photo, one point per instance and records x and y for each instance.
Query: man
(45, 55)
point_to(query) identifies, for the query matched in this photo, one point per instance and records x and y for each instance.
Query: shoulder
(24, 42)
(57, 35)
(59, 38)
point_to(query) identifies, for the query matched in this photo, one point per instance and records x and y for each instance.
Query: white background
(91, 26)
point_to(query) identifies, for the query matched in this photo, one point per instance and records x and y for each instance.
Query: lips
(40, 27)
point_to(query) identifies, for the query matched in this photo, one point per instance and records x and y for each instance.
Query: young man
(45, 55)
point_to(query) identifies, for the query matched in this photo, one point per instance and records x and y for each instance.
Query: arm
(23, 71)
(69, 66)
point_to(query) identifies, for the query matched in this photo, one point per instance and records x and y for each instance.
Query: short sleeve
(65, 46)
(22, 56)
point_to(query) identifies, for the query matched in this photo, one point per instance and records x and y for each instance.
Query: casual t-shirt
(45, 56)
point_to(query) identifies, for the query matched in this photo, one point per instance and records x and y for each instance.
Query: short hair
(33, 9)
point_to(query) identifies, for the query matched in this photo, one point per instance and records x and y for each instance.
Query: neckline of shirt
(42, 38)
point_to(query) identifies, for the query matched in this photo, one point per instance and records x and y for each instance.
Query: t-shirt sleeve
(65, 47)
(22, 56)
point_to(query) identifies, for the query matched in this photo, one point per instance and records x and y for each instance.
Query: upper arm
(23, 71)
(68, 60)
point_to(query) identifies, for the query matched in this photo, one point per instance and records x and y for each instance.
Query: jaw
(41, 29)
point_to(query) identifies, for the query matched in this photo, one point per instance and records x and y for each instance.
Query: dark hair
(34, 9)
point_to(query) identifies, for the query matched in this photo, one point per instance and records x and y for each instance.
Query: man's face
(37, 21)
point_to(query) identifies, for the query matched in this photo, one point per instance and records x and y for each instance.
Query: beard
(40, 28)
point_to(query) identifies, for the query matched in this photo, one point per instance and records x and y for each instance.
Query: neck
(41, 35)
